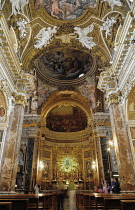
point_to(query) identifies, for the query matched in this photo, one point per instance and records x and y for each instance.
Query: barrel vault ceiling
(65, 45)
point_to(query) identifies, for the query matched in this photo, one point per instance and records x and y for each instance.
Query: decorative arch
(72, 98)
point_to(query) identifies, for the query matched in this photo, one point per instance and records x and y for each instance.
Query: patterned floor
(66, 204)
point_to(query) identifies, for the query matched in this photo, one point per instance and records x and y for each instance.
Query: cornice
(11, 68)
(123, 64)
(66, 137)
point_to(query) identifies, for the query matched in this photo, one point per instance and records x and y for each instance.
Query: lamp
(93, 165)
(110, 145)
(41, 165)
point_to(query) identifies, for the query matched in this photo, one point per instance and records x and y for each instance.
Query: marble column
(122, 147)
(99, 160)
(11, 147)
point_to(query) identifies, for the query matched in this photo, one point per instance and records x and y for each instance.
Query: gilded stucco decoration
(67, 161)
(63, 130)
(29, 18)
(72, 98)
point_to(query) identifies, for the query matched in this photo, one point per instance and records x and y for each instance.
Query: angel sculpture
(112, 3)
(107, 26)
(22, 27)
(85, 31)
(18, 6)
(44, 37)
(83, 38)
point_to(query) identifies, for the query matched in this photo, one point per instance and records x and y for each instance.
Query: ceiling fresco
(65, 64)
(66, 119)
(65, 9)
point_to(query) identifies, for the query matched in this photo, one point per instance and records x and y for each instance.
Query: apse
(66, 118)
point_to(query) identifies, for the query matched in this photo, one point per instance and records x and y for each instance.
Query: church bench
(33, 199)
(47, 201)
(99, 199)
(17, 204)
(79, 200)
(37, 201)
(85, 201)
(127, 204)
(6, 205)
(115, 202)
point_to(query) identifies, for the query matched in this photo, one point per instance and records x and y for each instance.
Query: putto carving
(22, 28)
(112, 3)
(83, 38)
(107, 26)
(44, 37)
(18, 6)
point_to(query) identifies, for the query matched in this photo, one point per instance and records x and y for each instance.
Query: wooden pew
(17, 204)
(127, 204)
(115, 202)
(36, 201)
(46, 201)
(85, 201)
(33, 199)
(99, 199)
(79, 200)
(6, 205)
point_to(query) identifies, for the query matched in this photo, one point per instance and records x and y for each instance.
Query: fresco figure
(65, 9)
(58, 65)
(55, 10)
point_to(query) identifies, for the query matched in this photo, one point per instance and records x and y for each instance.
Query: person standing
(112, 186)
(116, 187)
(36, 189)
(72, 194)
(60, 194)
(105, 186)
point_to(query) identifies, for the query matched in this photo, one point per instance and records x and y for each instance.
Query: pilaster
(122, 145)
(12, 145)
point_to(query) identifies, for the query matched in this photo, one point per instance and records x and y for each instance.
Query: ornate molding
(64, 137)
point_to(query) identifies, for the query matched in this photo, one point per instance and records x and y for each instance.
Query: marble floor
(66, 204)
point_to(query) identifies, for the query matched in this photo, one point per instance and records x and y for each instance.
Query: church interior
(67, 93)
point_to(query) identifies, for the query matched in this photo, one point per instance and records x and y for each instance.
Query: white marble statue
(22, 27)
(44, 37)
(18, 6)
(85, 31)
(107, 26)
(87, 42)
(112, 3)
(83, 38)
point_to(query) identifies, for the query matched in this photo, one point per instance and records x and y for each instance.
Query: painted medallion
(65, 64)
(65, 9)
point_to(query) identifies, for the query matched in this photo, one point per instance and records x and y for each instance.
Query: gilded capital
(19, 98)
(113, 98)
